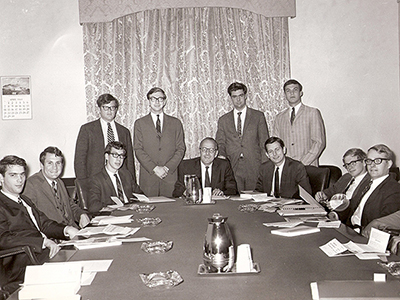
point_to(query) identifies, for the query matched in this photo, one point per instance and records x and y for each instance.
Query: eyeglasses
(157, 99)
(116, 155)
(351, 164)
(208, 150)
(376, 161)
(108, 108)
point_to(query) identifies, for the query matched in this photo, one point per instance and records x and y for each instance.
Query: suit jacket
(383, 201)
(89, 151)
(305, 139)
(221, 176)
(152, 150)
(101, 189)
(342, 183)
(17, 228)
(40, 192)
(293, 174)
(251, 144)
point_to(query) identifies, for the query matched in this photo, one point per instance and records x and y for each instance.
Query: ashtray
(157, 247)
(146, 208)
(162, 280)
(202, 270)
(248, 207)
(149, 221)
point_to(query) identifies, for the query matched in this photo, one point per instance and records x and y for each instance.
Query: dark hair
(292, 81)
(237, 86)
(117, 145)
(52, 150)
(155, 90)
(357, 152)
(105, 99)
(272, 140)
(381, 148)
(11, 160)
(210, 139)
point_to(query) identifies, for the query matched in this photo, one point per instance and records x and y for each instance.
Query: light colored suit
(40, 192)
(152, 150)
(89, 151)
(305, 139)
(247, 150)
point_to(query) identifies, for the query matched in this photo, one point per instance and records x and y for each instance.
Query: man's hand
(161, 171)
(70, 231)
(53, 247)
(84, 220)
(217, 192)
(320, 196)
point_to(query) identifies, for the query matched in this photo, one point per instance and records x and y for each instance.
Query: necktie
(119, 189)
(239, 124)
(207, 182)
(110, 133)
(60, 205)
(276, 185)
(158, 125)
(292, 116)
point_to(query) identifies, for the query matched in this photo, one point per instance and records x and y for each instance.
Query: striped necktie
(239, 124)
(119, 189)
(110, 133)
(158, 125)
(292, 116)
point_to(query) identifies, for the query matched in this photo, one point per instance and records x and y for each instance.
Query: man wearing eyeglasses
(281, 175)
(94, 136)
(381, 196)
(159, 147)
(112, 181)
(212, 171)
(353, 181)
(241, 135)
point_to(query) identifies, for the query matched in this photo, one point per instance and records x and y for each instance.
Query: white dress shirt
(114, 182)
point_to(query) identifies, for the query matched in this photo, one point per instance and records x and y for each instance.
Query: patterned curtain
(193, 54)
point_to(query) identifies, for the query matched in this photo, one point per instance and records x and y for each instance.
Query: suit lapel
(98, 132)
(249, 114)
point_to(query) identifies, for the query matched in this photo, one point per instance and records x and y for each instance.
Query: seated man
(212, 171)
(281, 175)
(48, 192)
(21, 223)
(112, 181)
(381, 196)
(350, 183)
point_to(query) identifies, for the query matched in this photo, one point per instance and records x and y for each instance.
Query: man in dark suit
(381, 196)
(281, 176)
(21, 223)
(112, 180)
(159, 147)
(94, 136)
(217, 170)
(48, 192)
(241, 135)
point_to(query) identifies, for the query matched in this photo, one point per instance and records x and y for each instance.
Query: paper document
(159, 199)
(295, 231)
(283, 224)
(104, 220)
(109, 229)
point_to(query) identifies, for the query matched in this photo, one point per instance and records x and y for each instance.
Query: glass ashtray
(248, 207)
(157, 247)
(146, 208)
(149, 221)
(162, 280)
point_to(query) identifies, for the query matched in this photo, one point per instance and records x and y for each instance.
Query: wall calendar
(16, 101)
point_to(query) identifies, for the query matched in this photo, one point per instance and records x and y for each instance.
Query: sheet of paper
(141, 197)
(100, 265)
(333, 248)
(283, 224)
(53, 273)
(109, 229)
(378, 240)
(117, 201)
(104, 220)
(262, 197)
(133, 240)
(329, 224)
(159, 199)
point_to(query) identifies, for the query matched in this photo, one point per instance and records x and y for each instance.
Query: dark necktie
(276, 185)
(207, 182)
(239, 124)
(158, 125)
(60, 205)
(110, 134)
(119, 189)
(292, 116)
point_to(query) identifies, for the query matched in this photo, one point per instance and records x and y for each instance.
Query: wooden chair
(319, 178)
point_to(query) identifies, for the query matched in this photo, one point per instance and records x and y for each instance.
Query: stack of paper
(295, 231)
(104, 220)
(109, 230)
(52, 281)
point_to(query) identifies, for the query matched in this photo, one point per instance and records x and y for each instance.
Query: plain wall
(344, 52)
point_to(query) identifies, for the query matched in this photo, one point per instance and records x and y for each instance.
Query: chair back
(82, 188)
(319, 178)
(335, 173)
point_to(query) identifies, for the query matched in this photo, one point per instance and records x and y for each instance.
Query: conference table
(288, 264)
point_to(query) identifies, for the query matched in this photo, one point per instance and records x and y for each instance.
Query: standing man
(281, 175)
(212, 171)
(94, 136)
(48, 192)
(300, 126)
(21, 224)
(241, 135)
(159, 147)
(112, 181)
